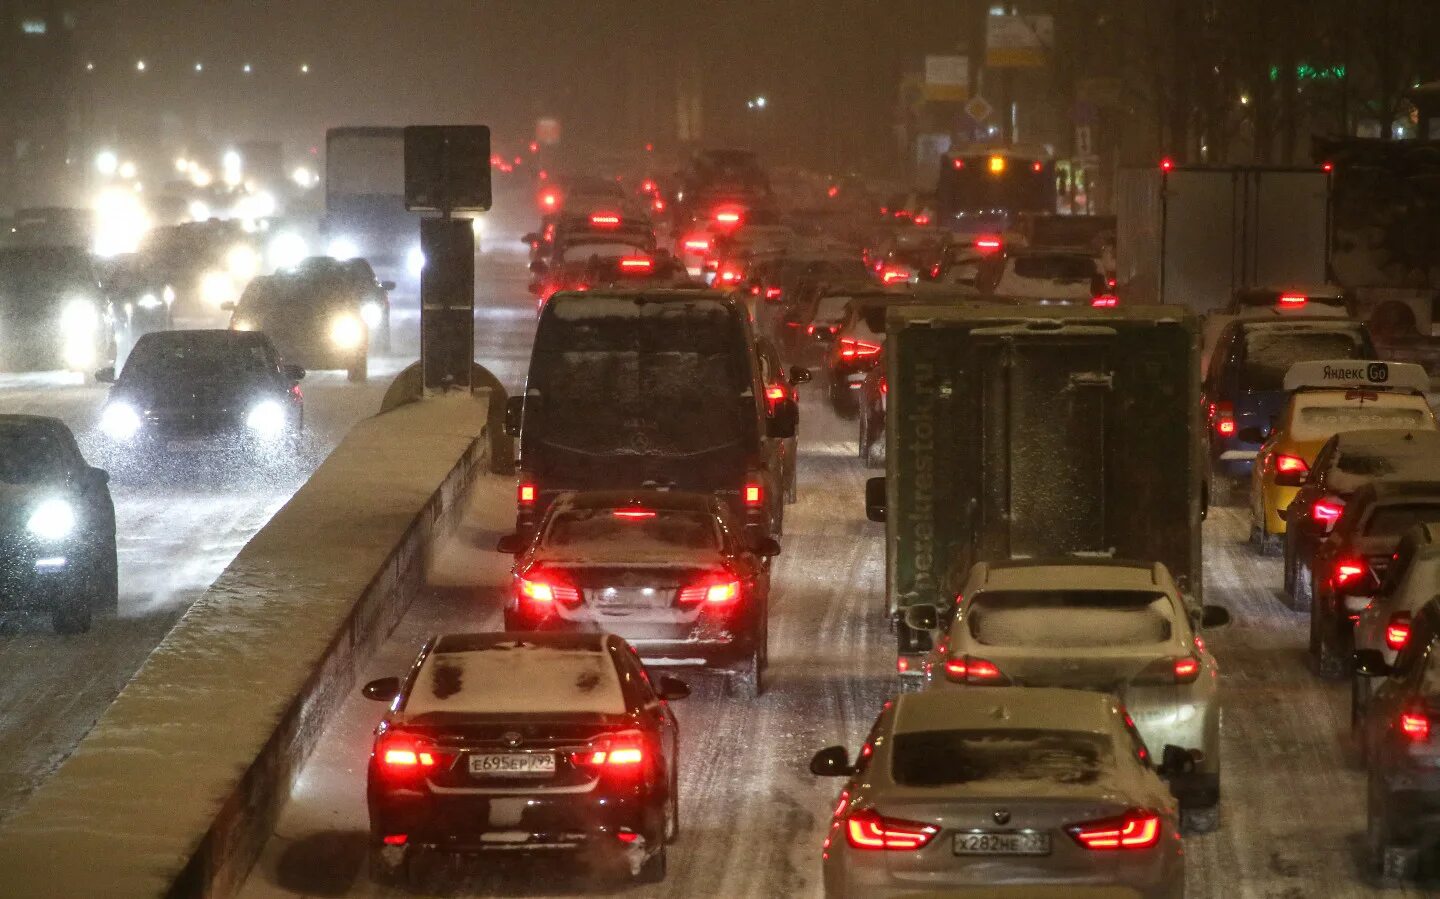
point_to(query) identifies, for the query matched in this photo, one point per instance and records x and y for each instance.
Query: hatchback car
(1386, 623)
(1113, 626)
(672, 572)
(503, 743)
(1032, 787)
(1050, 277)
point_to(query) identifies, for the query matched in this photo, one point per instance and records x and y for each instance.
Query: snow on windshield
(643, 531)
(510, 678)
(1410, 460)
(1028, 757)
(1269, 352)
(1070, 619)
(831, 309)
(1320, 420)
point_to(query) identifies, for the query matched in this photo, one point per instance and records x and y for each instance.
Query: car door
(654, 712)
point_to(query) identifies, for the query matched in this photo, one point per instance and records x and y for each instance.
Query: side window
(1430, 672)
(872, 740)
(1137, 742)
(1324, 460)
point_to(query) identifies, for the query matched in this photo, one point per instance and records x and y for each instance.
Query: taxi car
(1327, 397)
(1039, 788)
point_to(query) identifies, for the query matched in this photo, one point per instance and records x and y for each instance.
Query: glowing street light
(127, 170)
(140, 65)
(232, 168)
(106, 162)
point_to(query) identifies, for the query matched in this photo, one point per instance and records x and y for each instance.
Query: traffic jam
(969, 519)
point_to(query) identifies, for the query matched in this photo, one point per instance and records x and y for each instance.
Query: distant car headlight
(79, 317)
(217, 287)
(347, 332)
(415, 261)
(342, 248)
(242, 262)
(52, 520)
(168, 294)
(372, 314)
(242, 324)
(287, 250)
(150, 301)
(120, 421)
(266, 417)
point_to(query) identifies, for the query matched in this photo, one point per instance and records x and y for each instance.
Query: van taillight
(754, 495)
(525, 493)
(1397, 631)
(1105, 301)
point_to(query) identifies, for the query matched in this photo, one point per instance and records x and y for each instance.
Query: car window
(641, 530)
(1269, 352)
(198, 356)
(1055, 268)
(1394, 520)
(831, 309)
(1317, 421)
(515, 677)
(1018, 756)
(30, 454)
(1070, 619)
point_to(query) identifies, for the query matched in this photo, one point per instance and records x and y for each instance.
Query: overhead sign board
(947, 78)
(447, 168)
(1018, 41)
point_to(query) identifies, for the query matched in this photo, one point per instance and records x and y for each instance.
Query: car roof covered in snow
(1006, 708)
(1072, 574)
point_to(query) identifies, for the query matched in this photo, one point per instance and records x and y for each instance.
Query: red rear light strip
(1136, 829)
(866, 829)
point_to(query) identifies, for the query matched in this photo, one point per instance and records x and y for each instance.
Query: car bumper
(1274, 499)
(31, 578)
(853, 876)
(711, 642)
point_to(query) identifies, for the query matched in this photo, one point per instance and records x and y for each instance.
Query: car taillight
(850, 348)
(617, 753)
(728, 217)
(1168, 670)
(698, 245)
(894, 275)
(1415, 725)
(1223, 415)
(774, 394)
(987, 244)
(1397, 631)
(714, 591)
(605, 220)
(1136, 829)
(525, 493)
(637, 264)
(922, 219)
(633, 514)
(1348, 570)
(868, 829)
(1186, 668)
(970, 670)
(773, 293)
(1293, 300)
(884, 387)
(402, 755)
(1105, 301)
(541, 588)
(1326, 512)
(754, 495)
(1287, 464)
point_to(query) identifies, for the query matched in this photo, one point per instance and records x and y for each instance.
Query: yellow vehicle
(1327, 397)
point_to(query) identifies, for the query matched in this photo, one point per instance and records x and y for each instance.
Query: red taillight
(1187, 669)
(754, 495)
(959, 164)
(633, 514)
(1347, 570)
(970, 670)
(1292, 300)
(1105, 301)
(773, 395)
(1037, 166)
(884, 387)
(635, 264)
(618, 753)
(832, 191)
(1167, 164)
(699, 245)
(772, 293)
(1327, 513)
(1397, 631)
(987, 244)
(395, 839)
(922, 219)
(658, 205)
(549, 199)
(1415, 725)
(1223, 415)
(1136, 829)
(719, 590)
(647, 186)
(729, 276)
(538, 588)
(1225, 427)
(850, 348)
(525, 494)
(902, 664)
(867, 829)
(894, 275)
(1327, 167)
(1287, 464)
(604, 220)
(402, 755)
(728, 217)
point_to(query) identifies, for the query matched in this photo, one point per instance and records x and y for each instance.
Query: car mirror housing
(510, 543)
(105, 375)
(923, 617)
(765, 546)
(1214, 616)
(832, 761)
(1370, 663)
(670, 688)
(875, 499)
(799, 374)
(387, 285)
(295, 373)
(384, 689)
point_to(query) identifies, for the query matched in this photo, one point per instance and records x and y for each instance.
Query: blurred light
(534, 147)
(372, 315)
(477, 226)
(182, 165)
(53, 519)
(127, 170)
(140, 65)
(342, 248)
(89, 66)
(266, 417)
(997, 165)
(200, 177)
(199, 66)
(286, 250)
(415, 261)
(246, 68)
(232, 168)
(120, 421)
(1244, 99)
(150, 301)
(304, 68)
(260, 205)
(120, 222)
(760, 102)
(199, 211)
(106, 162)
(217, 287)
(347, 332)
(304, 177)
(242, 262)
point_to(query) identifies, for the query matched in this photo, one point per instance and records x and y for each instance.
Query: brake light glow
(987, 243)
(538, 589)
(968, 669)
(710, 592)
(550, 199)
(637, 264)
(922, 219)
(624, 750)
(1292, 300)
(1136, 829)
(832, 191)
(633, 514)
(902, 664)
(867, 829)
(1327, 513)
(753, 494)
(400, 754)
(698, 244)
(1415, 726)
(525, 494)
(1167, 164)
(647, 186)
(1347, 570)
(1037, 166)
(850, 348)
(1105, 301)
(893, 275)
(1187, 669)
(1397, 631)
(1224, 417)
(959, 163)
(395, 839)
(772, 293)
(727, 217)
(1287, 464)
(604, 219)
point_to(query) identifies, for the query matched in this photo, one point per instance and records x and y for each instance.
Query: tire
(1328, 663)
(104, 581)
(653, 870)
(747, 681)
(71, 615)
(1199, 820)
(359, 371)
(1392, 863)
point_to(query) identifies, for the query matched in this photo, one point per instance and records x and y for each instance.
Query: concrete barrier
(175, 789)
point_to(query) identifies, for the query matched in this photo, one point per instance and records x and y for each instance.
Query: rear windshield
(1393, 521)
(30, 454)
(1321, 422)
(1055, 268)
(511, 678)
(1070, 619)
(831, 309)
(1041, 757)
(1269, 352)
(616, 377)
(638, 529)
(582, 252)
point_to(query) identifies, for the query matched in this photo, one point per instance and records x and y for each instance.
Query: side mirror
(383, 690)
(1289, 479)
(1176, 761)
(832, 761)
(1370, 663)
(514, 415)
(387, 285)
(670, 688)
(784, 423)
(875, 499)
(227, 306)
(513, 544)
(923, 617)
(765, 546)
(1214, 616)
(799, 374)
(295, 373)
(1251, 435)
(532, 237)
(105, 375)
(538, 267)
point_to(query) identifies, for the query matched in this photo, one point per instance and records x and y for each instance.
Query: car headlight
(266, 417)
(52, 520)
(79, 318)
(287, 250)
(415, 261)
(150, 301)
(120, 421)
(242, 324)
(342, 248)
(217, 287)
(242, 262)
(371, 314)
(168, 294)
(347, 332)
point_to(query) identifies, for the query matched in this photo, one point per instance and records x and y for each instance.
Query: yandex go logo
(1377, 372)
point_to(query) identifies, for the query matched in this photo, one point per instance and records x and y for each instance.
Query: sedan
(520, 742)
(1036, 788)
(672, 572)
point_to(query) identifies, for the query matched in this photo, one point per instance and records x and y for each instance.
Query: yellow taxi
(1327, 397)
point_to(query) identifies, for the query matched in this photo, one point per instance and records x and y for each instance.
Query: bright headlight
(342, 248)
(79, 318)
(242, 262)
(287, 249)
(150, 301)
(120, 421)
(52, 520)
(266, 417)
(242, 324)
(415, 261)
(168, 294)
(347, 332)
(217, 287)
(371, 314)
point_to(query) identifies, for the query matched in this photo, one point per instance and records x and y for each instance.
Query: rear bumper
(852, 875)
(520, 822)
(708, 643)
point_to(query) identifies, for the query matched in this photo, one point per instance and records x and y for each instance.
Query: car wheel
(1392, 863)
(1199, 820)
(653, 869)
(1328, 663)
(359, 371)
(747, 681)
(71, 615)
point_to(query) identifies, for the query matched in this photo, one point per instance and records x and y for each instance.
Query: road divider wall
(178, 785)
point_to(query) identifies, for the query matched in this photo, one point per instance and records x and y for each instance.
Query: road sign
(979, 108)
(1018, 41)
(947, 78)
(447, 168)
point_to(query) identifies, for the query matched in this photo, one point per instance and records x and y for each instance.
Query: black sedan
(57, 525)
(318, 321)
(522, 742)
(206, 392)
(672, 572)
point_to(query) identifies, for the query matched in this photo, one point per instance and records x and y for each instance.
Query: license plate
(507, 764)
(1002, 844)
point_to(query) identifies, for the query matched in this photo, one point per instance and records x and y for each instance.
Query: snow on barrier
(174, 790)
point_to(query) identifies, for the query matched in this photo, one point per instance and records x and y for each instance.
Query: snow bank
(175, 789)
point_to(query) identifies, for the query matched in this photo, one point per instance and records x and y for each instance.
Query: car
(813, 321)
(355, 277)
(670, 571)
(1035, 787)
(1347, 462)
(634, 388)
(1049, 277)
(1109, 625)
(57, 525)
(140, 299)
(1244, 380)
(497, 743)
(1327, 397)
(1403, 753)
(201, 394)
(1291, 301)
(782, 388)
(857, 345)
(54, 316)
(908, 253)
(874, 401)
(603, 272)
(1349, 566)
(791, 282)
(1386, 622)
(207, 264)
(967, 264)
(317, 320)
(573, 256)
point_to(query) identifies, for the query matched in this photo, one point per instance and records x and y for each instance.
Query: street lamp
(756, 102)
